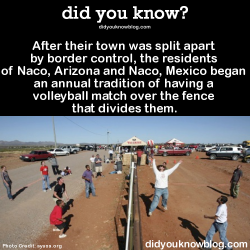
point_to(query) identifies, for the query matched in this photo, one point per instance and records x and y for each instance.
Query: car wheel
(165, 154)
(74, 152)
(235, 157)
(212, 157)
(67, 154)
(188, 153)
(32, 159)
(248, 160)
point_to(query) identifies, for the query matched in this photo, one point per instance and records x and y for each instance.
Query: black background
(225, 24)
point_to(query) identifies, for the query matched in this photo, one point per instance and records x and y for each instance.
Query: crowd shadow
(219, 191)
(146, 200)
(187, 224)
(68, 205)
(67, 223)
(52, 184)
(18, 192)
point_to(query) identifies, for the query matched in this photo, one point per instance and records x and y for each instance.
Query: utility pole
(54, 130)
(108, 138)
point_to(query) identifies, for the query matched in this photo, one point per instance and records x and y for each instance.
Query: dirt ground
(99, 223)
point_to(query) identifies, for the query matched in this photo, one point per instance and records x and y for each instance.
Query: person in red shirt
(56, 218)
(139, 154)
(45, 175)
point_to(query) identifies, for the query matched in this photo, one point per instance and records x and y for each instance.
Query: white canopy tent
(134, 141)
(175, 142)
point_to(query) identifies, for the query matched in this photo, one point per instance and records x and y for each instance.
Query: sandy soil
(99, 223)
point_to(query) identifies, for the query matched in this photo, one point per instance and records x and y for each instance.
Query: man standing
(98, 166)
(92, 163)
(87, 176)
(235, 182)
(54, 165)
(56, 218)
(60, 190)
(139, 154)
(161, 185)
(219, 224)
(45, 176)
(6, 181)
(111, 152)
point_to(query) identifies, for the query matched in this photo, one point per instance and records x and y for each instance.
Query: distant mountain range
(31, 143)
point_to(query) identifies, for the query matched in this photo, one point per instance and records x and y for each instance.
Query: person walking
(219, 225)
(89, 185)
(161, 185)
(54, 165)
(45, 175)
(139, 154)
(98, 166)
(60, 190)
(7, 182)
(235, 182)
(57, 220)
(92, 163)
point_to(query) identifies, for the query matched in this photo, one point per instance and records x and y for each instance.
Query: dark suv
(36, 155)
(227, 151)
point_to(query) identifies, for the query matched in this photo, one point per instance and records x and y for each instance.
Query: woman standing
(6, 181)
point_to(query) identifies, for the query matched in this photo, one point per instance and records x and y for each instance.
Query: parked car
(71, 149)
(58, 151)
(174, 151)
(246, 159)
(246, 151)
(227, 151)
(36, 155)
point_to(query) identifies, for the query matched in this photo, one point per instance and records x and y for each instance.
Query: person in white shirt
(92, 163)
(111, 152)
(161, 185)
(219, 224)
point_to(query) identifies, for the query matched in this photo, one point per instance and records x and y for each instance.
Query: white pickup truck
(71, 149)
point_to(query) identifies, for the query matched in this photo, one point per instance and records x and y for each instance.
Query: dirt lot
(193, 190)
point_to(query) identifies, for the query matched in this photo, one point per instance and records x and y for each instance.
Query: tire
(165, 154)
(32, 159)
(248, 160)
(235, 157)
(74, 152)
(212, 157)
(67, 154)
(188, 153)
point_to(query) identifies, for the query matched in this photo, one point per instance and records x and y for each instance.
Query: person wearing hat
(161, 185)
(60, 190)
(219, 225)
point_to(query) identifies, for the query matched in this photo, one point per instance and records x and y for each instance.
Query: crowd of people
(94, 169)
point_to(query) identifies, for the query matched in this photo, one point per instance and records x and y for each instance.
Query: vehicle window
(223, 149)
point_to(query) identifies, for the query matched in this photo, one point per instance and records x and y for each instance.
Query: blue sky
(93, 129)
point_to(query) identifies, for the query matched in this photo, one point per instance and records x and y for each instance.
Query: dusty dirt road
(193, 190)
